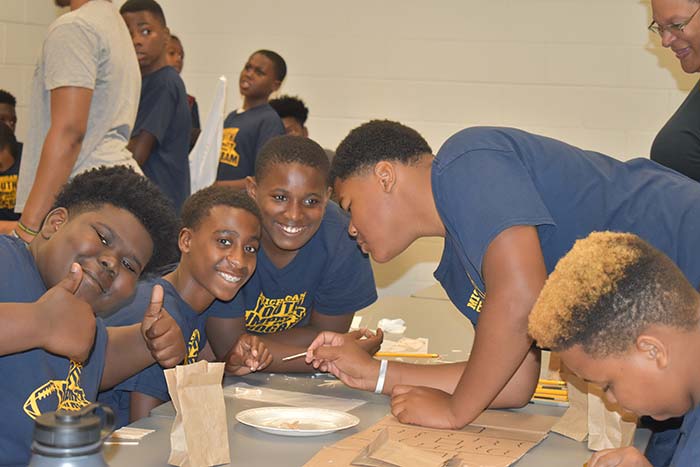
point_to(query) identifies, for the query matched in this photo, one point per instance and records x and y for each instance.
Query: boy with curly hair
(622, 315)
(108, 226)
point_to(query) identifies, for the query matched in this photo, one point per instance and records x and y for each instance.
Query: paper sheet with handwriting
(495, 439)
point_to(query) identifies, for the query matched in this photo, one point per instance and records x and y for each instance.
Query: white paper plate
(297, 421)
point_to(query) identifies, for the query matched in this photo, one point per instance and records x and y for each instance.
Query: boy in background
(293, 113)
(219, 241)
(9, 168)
(623, 316)
(176, 59)
(248, 128)
(161, 138)
(108, 226)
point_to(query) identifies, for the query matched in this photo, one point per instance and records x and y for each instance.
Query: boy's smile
(292, 199)
(109, 243)
(219, 255)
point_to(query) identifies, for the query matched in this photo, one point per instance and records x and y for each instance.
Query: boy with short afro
(107, 227)
(219, 241)
(622, 315)
(247, 129)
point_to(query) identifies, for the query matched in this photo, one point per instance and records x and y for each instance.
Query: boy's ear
(653, 349)
(251, 186)
(54, 220)
(386, 175)
(184, 240)
(276, 85)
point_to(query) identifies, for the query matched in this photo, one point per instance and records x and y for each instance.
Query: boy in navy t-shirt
(219, 241)
(108, 226)
(509, 205)
(248, 128)
(621, 315)
(9, 168)
(311, 276)
(161, 138)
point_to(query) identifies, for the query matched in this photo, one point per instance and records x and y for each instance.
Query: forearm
(21, 327)
(141, 405)
(126, 355)
(58, 156)
(444, 377)
(500, 348)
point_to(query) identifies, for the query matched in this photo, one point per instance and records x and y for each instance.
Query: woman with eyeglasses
(677, 145)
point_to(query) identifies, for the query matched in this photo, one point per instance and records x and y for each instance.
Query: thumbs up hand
(67, 322)
(161, 332)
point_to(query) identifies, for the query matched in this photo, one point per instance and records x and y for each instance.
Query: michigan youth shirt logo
(275, 314)
(57, 394)
(193, 347)
(8, 191)
(229, 155)
(477, 297)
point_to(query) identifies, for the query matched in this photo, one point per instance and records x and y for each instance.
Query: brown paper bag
(199, 435)
(574, 423)
(608, 426)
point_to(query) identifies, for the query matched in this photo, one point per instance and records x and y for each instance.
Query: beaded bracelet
(26, 229)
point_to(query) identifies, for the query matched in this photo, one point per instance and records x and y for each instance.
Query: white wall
(585, 71)
(23, 24)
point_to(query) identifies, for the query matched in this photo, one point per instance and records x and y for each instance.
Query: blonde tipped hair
(606, 291)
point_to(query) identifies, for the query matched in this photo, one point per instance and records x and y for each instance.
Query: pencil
(292, 357)
(550, 398)
(406, 354)
(552, 381)
(552, 392)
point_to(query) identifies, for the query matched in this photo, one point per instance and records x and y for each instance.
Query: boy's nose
(352, 230)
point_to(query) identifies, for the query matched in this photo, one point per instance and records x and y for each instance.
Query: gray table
(451, 336)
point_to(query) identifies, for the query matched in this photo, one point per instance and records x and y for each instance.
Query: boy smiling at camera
(219, 241)
(311, 276)
(107, 227)
(623, 316)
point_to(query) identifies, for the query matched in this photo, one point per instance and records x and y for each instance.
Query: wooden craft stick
(292, 357)
(406, 354)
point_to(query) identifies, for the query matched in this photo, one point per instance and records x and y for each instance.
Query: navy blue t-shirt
(244, 135)
(151, 380)
(688, 450)
(329, 274)
(165, 113)
(35, 382)
(486, 180)
(8, 189)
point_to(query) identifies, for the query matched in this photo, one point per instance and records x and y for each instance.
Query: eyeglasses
(674, 28)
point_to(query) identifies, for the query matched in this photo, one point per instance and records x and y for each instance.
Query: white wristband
(381, 377)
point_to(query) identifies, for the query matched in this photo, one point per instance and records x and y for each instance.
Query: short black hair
(277, 61)
(8, 139)
(123, 188)
(134, 6)
(375, 141)
(7, 98)
(197, 207)
(287, 149)
(290, 106)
